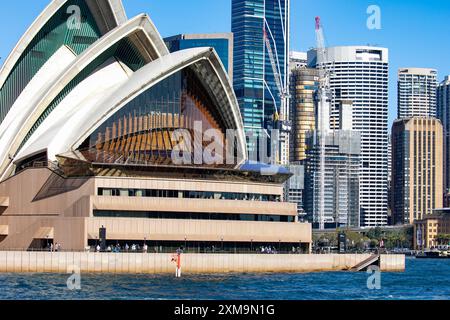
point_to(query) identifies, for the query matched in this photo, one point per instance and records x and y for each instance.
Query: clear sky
(417, 32)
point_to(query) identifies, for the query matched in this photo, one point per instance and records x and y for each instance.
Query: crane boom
(321, 56)
(281, 114)
(323, 105)
(276, 74)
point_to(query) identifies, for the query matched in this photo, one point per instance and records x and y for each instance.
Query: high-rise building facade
(295, 186)
(304, 84)
(297, 59)
(416, 92)
(254, 24)
(221, 42)
(417, 153)
(389, 157)
(342, 175)
(360, 74)
(443, 113)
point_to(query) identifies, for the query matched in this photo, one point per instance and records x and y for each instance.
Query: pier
(151, 263)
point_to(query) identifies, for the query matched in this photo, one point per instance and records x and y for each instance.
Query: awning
(4, 230)
(44, 233)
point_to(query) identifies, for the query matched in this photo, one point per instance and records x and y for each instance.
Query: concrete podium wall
(135, 263)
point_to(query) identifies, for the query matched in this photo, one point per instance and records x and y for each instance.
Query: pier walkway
(151, 263)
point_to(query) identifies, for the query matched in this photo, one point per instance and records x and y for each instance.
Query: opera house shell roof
(106, 90)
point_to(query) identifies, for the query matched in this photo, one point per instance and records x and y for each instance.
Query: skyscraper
(389, 160)
(304, 84)
(443, 113)
(221, 42)
(416, 168)
(257, 66)
(294, 188)
(342, 175)
(416, 92)
(360, 74)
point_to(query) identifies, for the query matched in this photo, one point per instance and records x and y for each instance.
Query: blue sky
(416, 32)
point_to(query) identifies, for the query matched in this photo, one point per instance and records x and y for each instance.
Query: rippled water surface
(423, 279)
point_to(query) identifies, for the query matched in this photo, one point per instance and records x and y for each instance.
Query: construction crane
(274, 65)
(280, 115)
(324, 97)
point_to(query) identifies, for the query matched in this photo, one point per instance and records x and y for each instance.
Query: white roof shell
(111, 11)
(90, 104)
(68, 131)
(151, 46)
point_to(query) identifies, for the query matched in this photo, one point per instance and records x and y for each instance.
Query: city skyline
(417, 25)
(147, 140)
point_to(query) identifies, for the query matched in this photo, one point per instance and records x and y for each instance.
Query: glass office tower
(342, 179)
(443, 114)
(221, 42)
(254, 77)
(416, 92)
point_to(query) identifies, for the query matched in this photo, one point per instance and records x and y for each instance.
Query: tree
(355, 240)
(443, 238)
(374, 243)
(375, 233)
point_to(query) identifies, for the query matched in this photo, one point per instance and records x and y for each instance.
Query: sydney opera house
(90, 102)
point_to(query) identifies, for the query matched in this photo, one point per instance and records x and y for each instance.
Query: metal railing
(163, 251)
(41, 164)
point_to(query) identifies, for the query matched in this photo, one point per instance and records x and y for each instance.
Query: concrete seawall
(138, 263)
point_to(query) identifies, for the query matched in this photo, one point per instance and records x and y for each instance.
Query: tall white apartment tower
(416, 93)
(360, 74)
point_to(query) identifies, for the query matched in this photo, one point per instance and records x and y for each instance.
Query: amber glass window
(142, 130)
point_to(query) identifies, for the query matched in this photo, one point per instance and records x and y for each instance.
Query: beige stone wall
(135, 263)
(200, 230)
(69, 232)
(69, 215)
(188, 184)
(22, 189)
(193, 205)
(19, 192)
(73, 233)
(392, 262)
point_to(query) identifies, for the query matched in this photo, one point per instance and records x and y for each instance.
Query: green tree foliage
(443, 238)
(360, 241)
(375, 233)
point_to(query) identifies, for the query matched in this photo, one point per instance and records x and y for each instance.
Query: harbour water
(423, 279)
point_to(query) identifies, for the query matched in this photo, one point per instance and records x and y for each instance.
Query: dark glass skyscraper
(221, 42)
(254, 77)
(443, 113)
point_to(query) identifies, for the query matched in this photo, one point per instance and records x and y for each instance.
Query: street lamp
(185, 243)
(221, 239)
